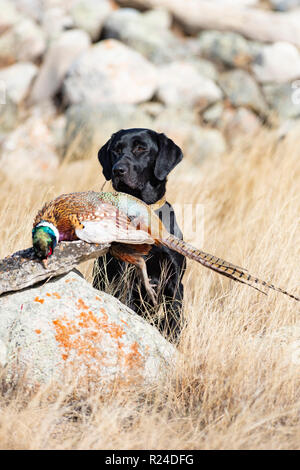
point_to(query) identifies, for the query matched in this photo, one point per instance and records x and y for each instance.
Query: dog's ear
(105, 159)
(169, 155)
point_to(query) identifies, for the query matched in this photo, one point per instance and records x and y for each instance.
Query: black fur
(138, 162)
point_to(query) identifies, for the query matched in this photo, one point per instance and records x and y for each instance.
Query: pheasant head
(45, 237)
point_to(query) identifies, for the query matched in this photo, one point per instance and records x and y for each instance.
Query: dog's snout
(119, 169)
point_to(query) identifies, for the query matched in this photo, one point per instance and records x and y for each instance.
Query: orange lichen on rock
(37, 299)
(56, 295)
(38, 332)
(134, 358)
(84, 344)
(81, 305)
(84, 333)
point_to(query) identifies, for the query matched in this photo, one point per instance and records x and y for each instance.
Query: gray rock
(66, 329)
(283, 100)
(279, 63)
(90, 15)
(25, 41)
(28, 152)
(180, 83)
(285, 5)
(18, 79)
(242, 90)
(59, 57)
(90, 126)
(110, 72)
(147, 32)
(230, 49)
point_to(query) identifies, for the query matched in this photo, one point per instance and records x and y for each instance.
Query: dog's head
(138, 162)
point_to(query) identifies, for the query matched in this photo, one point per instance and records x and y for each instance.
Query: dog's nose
(119, 169)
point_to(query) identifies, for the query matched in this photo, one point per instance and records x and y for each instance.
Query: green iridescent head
(44, 239)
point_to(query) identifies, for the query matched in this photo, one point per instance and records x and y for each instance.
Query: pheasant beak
(45, 262)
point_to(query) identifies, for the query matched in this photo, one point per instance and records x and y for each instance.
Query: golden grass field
(236, 385)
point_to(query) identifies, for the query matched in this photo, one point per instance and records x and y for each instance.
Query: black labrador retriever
(138, 161)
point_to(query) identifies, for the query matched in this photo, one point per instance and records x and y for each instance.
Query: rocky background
(206, 73)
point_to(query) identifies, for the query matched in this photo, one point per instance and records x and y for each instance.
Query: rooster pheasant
(130, 226)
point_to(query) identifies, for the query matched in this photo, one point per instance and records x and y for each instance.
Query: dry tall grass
(237, 383)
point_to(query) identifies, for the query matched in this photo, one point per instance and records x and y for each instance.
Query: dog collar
(156, 206)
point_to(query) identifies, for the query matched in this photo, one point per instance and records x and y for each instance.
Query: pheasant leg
(141, 265)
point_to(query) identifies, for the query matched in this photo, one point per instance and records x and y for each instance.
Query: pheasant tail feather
(219, 265)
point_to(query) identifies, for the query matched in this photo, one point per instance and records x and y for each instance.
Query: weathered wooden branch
(23, 269)
(197, 15)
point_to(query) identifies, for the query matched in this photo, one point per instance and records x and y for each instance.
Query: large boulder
(110, 72)
(66, 328)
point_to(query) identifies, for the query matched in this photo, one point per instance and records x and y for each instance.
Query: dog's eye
(118, 150)
(139, 148)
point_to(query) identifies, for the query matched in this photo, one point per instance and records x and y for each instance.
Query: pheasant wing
(107, 224)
